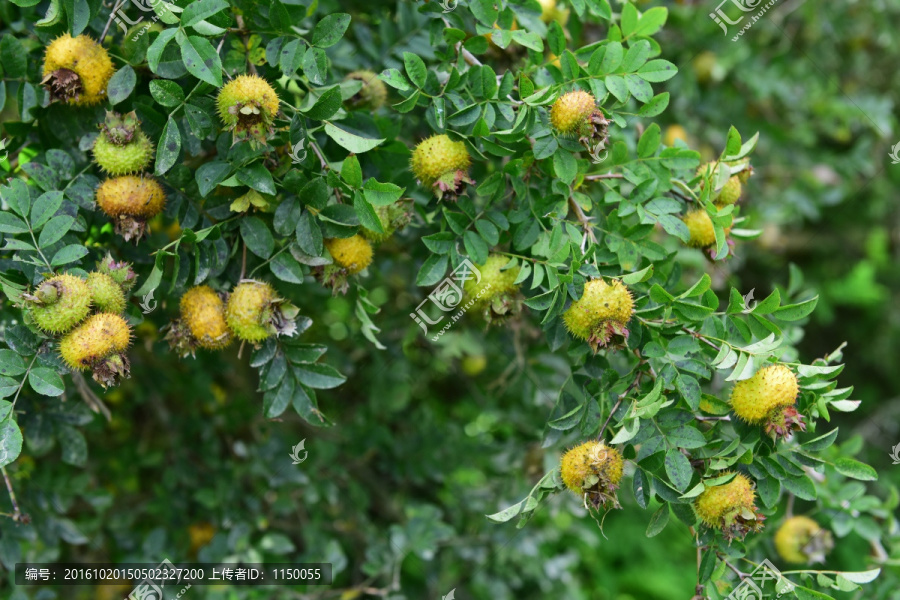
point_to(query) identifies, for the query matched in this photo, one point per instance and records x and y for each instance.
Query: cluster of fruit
(85, 315)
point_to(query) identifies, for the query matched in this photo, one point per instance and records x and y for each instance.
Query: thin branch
(16, 514)
(604, 176)
(583, 219)
(109, 21)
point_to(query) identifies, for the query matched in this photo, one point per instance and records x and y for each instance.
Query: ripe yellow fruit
(203, 312)
(800, 540)
(437, 156)
(572, 112)
(353, 253)
(473, 364)
(496, 294)
(730, 507)
(770, 388)
(106, 295)
(551, 12)
(768, 399)
(248, 105)
(601, 315)
(249, 310)
(131, 201)
(371, 96)
(76, 70)
(593, 469)
(98, 344)
(699, 224)
(60, 303)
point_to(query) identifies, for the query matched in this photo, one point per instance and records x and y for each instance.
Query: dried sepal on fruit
(76, 70)
(494, 292)
(202, 322)
(122, 148)
(254, 312)
(730, 507)
(593, 471)
(768, 399)
(58, 304)
(121, 272)
(600, 317)
(131, 201)
(443, 165)
(99, 344)
(247, 106)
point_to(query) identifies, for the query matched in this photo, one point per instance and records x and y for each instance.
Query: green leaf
(350, 141)
(11, 364)
(351, 172)
(678, 469)
(199, 10)
(432, 270)
(46, 382)
(55, 229)
(121, 84)
(649, 141)
(69, 254)
(326, 106)
(651, 21)
(257, 236)
(168, 93)
(10, 441)
(318, 376)
(257, 177)
(415, 69)
(168, 148)
(78, 13)
(155, 51)
(9, 223)
(855, 469)
(565, 166)
(330, 30)
(315, 65)
(201, 60)
(820, 443)
(794, 312)
(658, 521)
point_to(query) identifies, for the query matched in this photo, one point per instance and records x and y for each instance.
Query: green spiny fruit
(730, 192)
(700, 226)
(106, 295)
(800, 540)
(439, 160)
(392, 217)
(768, 399)
(122, 148)
(59, 303)
(254, 312)
(248, 105)
(729, 507)
(601, 315)
(572, 111)
(593, 471)
(495, 295)
(99, 344)
(372, 94)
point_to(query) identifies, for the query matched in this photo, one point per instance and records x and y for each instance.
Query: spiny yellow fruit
(353, 253)
(768, 399)
(59, 303)
(551, 12)
(437, 156)
(131, 201)
(593, 470)
(254, 312)
(495, 294)
(601, 315)
(122, 148)
(571, 111)
(248, 105)
(371, 95)
(98, 344)
(730, 192)
(771, 387)
(801, 540)
(703, 234)
(203, 312)
(106, 295)
(730, 507)
(76, 70)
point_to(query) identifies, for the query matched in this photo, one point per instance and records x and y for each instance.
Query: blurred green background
(430, 437)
